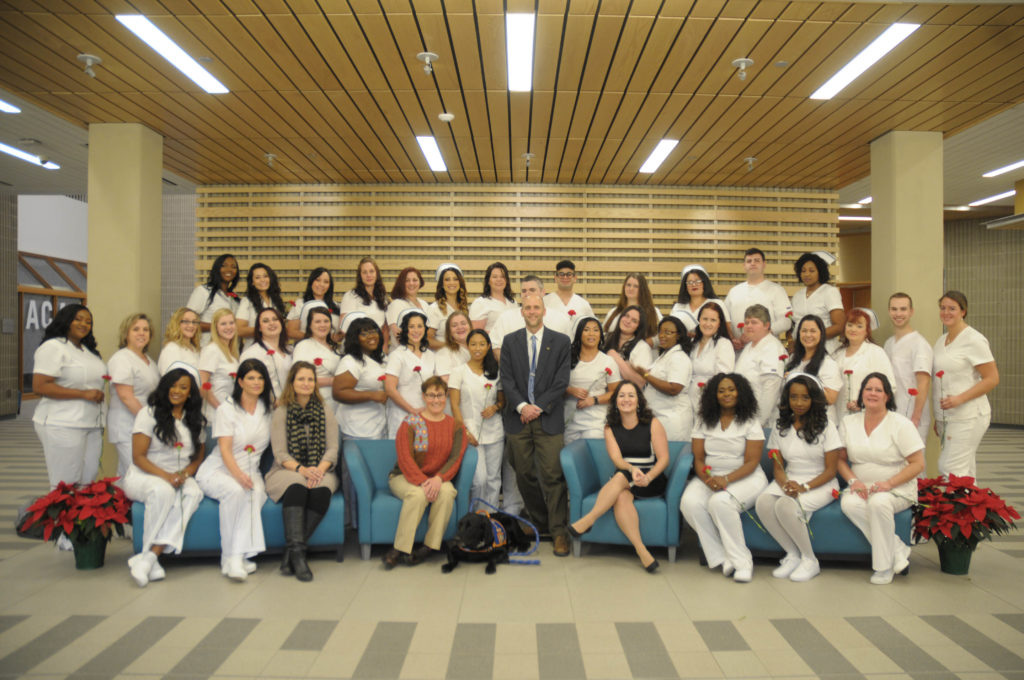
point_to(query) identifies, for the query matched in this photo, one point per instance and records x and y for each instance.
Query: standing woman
(407, 369)
(181, 340)
(635, 293)
(368, 295)
(218, 363)
(694, 291)
(68, 375)
(626, 346)
(727, 443)
(404, 295)
(304, 436)
(217, 293)
(476, 401)
(592, 381)
(231, 472)
(966, 372)
(133, 375)
(857, 356)
(882, 459)
(450, 296)
(712, 352)
(319, 348)
(269, 347)
(818, 296)
(810, 356)
(808, 447)
(454, 353)
(262, 291)
(667, 380)
(497, 297)
(319, 288)
(167, 450)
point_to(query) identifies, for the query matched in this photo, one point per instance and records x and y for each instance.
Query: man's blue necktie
(533, 367)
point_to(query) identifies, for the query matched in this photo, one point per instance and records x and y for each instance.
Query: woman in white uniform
(133, 375)
(319, 288)
(806, 446)
(262, 291)
(818, 296)
(965, 373)
(810, 356)
(694, 290)
(627, 346)
(167, 450)
(881, 462)
(218, 363)
(450, 296)
(712, 352)
(181, 340)
(858, 356)
(231, 472)
(497, 297)
(454, 353)
(727, 443)
(593, 378)
(217, 293)
(319, 348)
(69, 375)
(635, 293)
(404, 295)
(406, 369)
(668, 378)
(268, 346)
(368, 295)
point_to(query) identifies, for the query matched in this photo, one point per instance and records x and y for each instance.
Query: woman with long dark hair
(497, 297)
(635, 293)
(167, 450)
(810, 356)
(217, 293)
(319, 347)
(262, 291)
(407, 368)
(404, 295)
(712, 351)
(368, 295)
(593, 379)
(269, 346)
(319, 288)
(449, 297)
(668, 378)
(695, 290)
(627, 347)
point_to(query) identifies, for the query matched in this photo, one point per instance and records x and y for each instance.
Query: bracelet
(804, 486)
(852, 481)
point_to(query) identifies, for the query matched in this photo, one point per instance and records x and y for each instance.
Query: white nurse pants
(72, 453)
(876, 519)
(241, 524)
(960, 440)
(168, 510)
(715, 516)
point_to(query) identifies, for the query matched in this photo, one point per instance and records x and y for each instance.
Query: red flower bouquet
(957, 511)
(80, 511)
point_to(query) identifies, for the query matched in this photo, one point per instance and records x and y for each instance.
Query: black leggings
(317, 500)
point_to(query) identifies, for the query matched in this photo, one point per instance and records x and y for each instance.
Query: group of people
(517, 381)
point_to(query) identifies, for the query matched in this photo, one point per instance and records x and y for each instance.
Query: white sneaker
(882, 578)
(787, 565)
(743, 575)
(236, 568)
(902, 560)
(250, 566)
(727, 568)
(138, 567)
(806, 570)
(156, 572)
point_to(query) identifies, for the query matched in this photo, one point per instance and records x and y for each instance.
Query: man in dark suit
(535, 365)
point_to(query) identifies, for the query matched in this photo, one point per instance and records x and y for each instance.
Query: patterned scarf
(419, 436)
(307, 435)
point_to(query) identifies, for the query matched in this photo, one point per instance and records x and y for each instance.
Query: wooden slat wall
(606, 230)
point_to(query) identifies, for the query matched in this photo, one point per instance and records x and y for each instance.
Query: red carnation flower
(835, 493)
(318, 362)
(939, 374)
(292, 303)
(783, 357)
(232, 295)
(707, 469)
(207, 386)
(608, 370)
(179, 445)
(848, 372)
(417, 369)
(740, 325)
(488, 386)
(789, 314)
(106, 378)
(572, 313)
(773, 454)
(233, 375)
(701, 385)
(381, 378)
(912, 392)
(270, 352)
(250, 448)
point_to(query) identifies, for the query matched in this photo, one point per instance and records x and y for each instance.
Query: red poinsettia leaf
(48, 531)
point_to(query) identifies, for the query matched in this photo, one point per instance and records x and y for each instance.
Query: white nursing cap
(443, 266)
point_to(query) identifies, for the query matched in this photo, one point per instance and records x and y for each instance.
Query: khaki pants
(414, 504)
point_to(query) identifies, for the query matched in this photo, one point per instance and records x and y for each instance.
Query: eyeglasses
(694, 283)
(188, 322)
(565, 275)
(434, 395)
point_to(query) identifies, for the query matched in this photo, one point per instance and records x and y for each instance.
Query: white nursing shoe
(233, 567)
(882, 578)
(139, 567)
(250, 566)
(743, 575)
(727, 568)
(806, 570)
(787, 566)
(156, 572)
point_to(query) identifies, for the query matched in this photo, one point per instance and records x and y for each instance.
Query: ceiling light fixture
(742, 64)
(90, 60)
(881, 46)
(519, 51)
(659, 154)
(528, 157)
(8, 108)
(446, 117)
(750, 160)
(854, 218)
(865, 201)
(147, 31)
(29, 158)
(1004, 169)
(426, 58)
(993, 199)
(432, 153)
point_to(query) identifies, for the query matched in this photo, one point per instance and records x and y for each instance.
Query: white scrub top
(277, 362)
(127, 368)
(365, 420)
(767, 293)
(821, 302)
(324, 359)
(488, 309)
(477, 392)
(74, 368)
(350, 302)
(884, 453)
(958, 360)
(909, 355)
(197, 302)
(870, 358)
(674, 411)
(593, 376)
(172, 352)
(724, 449)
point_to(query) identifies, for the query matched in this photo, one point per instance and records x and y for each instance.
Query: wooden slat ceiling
(333, 88)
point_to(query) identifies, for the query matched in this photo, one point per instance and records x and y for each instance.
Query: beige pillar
(907, 233)
(125, 212)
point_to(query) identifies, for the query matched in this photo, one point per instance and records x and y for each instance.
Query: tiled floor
(595, 617)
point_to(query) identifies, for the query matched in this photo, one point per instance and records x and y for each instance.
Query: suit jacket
(550, 381)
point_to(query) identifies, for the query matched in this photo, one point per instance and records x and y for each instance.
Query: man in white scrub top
(563, 299)
(762, 360)
(757, 290)
(511, 320)
(911, 358)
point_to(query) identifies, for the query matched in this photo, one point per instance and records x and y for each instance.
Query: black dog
(475, 540)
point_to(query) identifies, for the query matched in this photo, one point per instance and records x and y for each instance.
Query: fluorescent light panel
(865, 201)
(658, 156)
(519, 51)
(27, 157)
(8, 108)
(854, 218)
(993, 199)
(432, 153)
(1004, 169)
(169, 50)
(881, 46)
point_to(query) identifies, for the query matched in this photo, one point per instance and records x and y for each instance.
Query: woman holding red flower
(218, 362)
(593, 378)
(712, 351)
(319, 347)
(217, 293)
(668, 378)
(406, 369)
(857, 356)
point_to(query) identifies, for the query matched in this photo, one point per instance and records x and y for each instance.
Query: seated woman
(881, 461)
(805, 473)
(430, 446)
(727, 443)
(593, 379)
(638, 447)
(167, 449)
(230, 474)
(304, 436)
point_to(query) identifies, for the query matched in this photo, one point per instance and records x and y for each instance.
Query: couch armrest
(580, 475)
(677, 476)
(463, 482)
(362, 480)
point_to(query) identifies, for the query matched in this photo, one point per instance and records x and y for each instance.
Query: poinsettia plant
(955, 509)
(80, 511)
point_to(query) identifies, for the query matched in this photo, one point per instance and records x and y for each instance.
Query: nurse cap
(306, 307)
(692, 267)
(800, 374)
(441, 268)
(411, 310)
(871, 315)
(188, 368)
(350, 317)
(827, 257)
(580, 321)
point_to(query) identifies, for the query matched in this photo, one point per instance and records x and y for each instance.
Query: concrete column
(1018, 199)
(125, 209)
(907, 232)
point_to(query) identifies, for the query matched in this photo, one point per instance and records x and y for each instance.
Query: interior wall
(9, 318)
(178, 254)
(854, 265)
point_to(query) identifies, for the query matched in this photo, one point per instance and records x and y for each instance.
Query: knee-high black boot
(313, 519)
(295, 539)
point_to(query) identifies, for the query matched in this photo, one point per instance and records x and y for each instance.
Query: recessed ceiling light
(1004, 169)
(8, 108)
(659, 154)
(147, 31)
(432, 153)
(957, 208)
(851, 206)
(881, 46)
(29, 158)
(993, 199)
(865, 201)
(519, 55)
(854, 218)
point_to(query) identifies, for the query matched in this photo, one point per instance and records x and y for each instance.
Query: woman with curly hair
(407, 368)
(668, 378)
(592, 381)
(217, 293)
(806, 446)
(818, 296)
(368, 295)
(638, 448)
(627, 347)
(167, 450)
(727, 443)
(449, 297)
(635, 293)
(181, 340)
